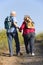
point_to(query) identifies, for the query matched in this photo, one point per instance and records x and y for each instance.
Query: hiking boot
(10, 55)
(19, 54)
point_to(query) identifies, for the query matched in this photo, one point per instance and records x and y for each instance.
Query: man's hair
(13, 13)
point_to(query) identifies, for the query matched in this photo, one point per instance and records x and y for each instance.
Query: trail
(24, 59)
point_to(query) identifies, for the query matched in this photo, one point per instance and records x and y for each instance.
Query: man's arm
(15, 23)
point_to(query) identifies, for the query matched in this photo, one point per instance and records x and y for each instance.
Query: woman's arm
(22, 26)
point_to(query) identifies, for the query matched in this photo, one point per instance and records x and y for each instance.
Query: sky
(33, 8)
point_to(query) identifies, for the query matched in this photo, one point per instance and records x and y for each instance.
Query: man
(12, 33)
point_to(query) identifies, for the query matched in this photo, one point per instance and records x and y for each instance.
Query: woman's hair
(27, 18)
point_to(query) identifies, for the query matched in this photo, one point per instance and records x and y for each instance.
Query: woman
(28, 34)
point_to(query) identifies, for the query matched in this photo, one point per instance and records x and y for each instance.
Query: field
(25, 59)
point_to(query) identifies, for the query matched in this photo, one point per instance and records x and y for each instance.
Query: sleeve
(15, 22)
(14, 19)
(22, 27)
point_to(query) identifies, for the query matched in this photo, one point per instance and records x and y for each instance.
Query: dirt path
(25, 59)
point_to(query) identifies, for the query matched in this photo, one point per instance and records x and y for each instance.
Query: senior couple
(28, 35)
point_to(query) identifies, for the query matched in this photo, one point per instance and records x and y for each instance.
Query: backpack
(30, 24)
(8, 22)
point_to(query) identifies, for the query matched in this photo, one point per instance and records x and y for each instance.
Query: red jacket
(26, 30)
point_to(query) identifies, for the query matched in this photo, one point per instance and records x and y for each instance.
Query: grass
(4, 41)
